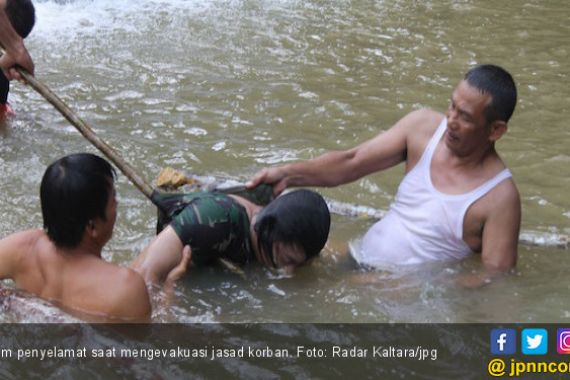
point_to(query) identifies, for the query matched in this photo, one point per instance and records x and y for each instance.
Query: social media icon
(504, 341)
(563, 341)
(534, 341)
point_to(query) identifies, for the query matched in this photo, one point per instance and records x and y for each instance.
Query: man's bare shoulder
(129, 300)
(21, 242)
(25, 237)
(426, 115)
(423, 121)
(505, 196)
(420, 126)
(99, 290)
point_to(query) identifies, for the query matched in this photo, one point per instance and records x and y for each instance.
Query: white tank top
(422, 224)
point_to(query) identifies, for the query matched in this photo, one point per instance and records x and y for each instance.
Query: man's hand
(179, 270)
(271, 176)
(22, 58)
(16, 53)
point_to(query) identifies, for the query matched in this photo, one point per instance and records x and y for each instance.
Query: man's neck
(83, 249)
(477, 159)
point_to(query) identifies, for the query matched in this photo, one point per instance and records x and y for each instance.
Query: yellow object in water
(170, 178)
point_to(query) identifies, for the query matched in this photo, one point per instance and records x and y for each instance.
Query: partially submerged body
(215, 224)
(82, 284)
(63, 263)
(283, 235)
(462, 159)
(437, 215)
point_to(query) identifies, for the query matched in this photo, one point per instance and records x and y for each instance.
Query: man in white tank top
(457, 196)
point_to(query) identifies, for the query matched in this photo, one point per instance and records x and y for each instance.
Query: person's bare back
(79, 282)
(62, 263)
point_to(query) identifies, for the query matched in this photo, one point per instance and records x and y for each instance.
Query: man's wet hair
(497, 82)
(300, 218)
(74, 191)
(22, 16)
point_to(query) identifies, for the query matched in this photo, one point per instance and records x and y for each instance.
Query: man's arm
(13, 44)
(501, 229)
(164, 260)
(339, 167)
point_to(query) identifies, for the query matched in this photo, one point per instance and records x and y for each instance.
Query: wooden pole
(105, 148)
(87, 132)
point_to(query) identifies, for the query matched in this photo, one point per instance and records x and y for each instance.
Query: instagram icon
(563, 341)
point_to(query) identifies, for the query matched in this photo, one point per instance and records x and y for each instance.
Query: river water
(225, 88)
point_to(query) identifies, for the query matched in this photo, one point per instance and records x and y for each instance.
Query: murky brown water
(227, 88)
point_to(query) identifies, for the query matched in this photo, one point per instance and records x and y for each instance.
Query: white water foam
(57, 19)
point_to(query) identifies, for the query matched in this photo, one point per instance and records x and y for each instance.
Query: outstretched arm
(339, 167)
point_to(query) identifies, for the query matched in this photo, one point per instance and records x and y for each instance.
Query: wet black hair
(299, 218)
(74, 190)
(22, 16)
(497, 82)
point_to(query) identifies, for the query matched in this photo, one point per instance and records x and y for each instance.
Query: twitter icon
(534, 341)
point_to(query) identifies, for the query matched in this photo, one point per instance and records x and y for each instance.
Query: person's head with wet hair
(499, 84)
(74, 192)
(22, 16)
(292, 229)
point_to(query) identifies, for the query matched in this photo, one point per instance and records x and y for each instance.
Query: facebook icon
(503, 341)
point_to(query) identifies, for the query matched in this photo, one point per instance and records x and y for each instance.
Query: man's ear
(90, 229)
(497, 129)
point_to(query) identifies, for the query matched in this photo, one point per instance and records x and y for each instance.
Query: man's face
(287, 257)
(284, 257)
(467, 127)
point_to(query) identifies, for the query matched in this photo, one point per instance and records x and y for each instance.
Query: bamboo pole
(105, 148)
(87, 132)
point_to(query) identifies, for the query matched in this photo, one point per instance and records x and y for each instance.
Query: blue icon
(503, 341)
(534, 341)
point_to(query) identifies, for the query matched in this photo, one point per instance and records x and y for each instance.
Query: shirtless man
(12, 36)
(457, 196)
(62, 263)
